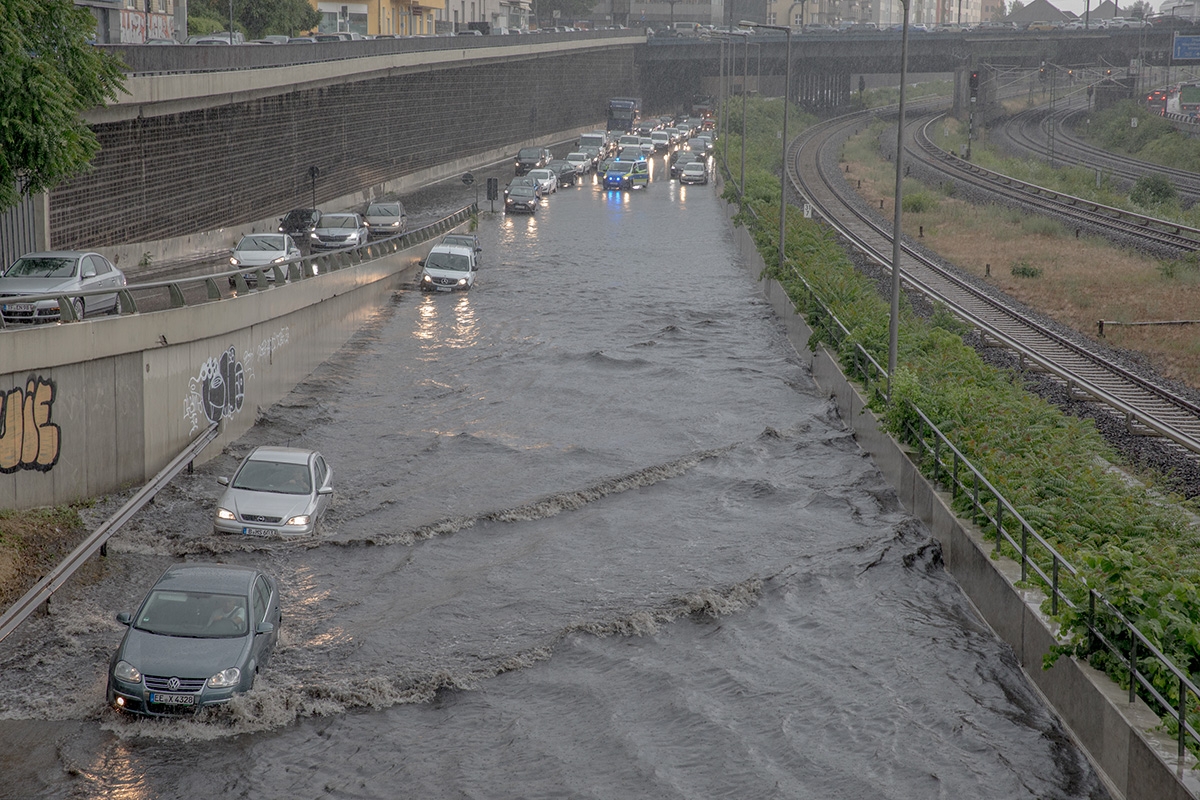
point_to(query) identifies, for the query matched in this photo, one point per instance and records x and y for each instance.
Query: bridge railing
(156, 59)
(277, 274)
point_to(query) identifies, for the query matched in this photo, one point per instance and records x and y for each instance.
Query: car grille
(333, 239)
(161, 683)
(261, 518)
(445, 281)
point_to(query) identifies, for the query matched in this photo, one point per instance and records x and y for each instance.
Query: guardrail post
(1133, 669)
(177, 299)
(1054, 587)
(999, 523)
(1024, 553)
(1182, 715)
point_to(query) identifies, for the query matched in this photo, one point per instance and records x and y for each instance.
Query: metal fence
(1108, 630)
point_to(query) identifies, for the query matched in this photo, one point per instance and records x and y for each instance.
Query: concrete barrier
(89, 408)
(1122, 740)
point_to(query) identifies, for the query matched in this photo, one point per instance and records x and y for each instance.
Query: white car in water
(547, 180)
(450, 267)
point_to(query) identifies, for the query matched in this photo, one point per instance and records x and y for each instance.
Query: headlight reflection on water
(439, 326)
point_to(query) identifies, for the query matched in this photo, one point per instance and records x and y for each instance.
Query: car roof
(220, 578)
(59, 254)
(281, 455)
(460, 249)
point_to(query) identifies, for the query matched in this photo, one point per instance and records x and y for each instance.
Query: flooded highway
(595, 534)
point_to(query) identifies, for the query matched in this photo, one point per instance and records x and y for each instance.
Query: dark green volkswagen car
(199, 637)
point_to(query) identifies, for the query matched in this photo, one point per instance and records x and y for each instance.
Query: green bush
(1152, 189)
(1023, 269)
(918, 202)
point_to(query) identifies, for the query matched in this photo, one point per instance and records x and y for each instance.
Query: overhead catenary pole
(894, 318)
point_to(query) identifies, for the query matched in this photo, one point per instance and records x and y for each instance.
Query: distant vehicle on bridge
(1184, 99)
(624, 113)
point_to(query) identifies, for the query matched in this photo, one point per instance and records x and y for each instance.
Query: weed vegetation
(1136, 546)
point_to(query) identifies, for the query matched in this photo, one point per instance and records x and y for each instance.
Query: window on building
(770, 17)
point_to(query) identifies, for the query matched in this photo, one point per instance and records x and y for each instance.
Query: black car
(300, 223)
(681, 157)
(532, 158)
(565, 171)
(521, 198)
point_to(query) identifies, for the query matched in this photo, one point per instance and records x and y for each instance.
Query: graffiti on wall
(218, 391)
(138, 27)
(28, 439)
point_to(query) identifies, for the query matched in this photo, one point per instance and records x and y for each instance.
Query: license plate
(19, 308)
(164, 699)
(444, 288)
(257, 532)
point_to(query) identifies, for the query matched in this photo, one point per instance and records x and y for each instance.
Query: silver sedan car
(335, 231)
(58, 272)
(276, 492)
(264, 250)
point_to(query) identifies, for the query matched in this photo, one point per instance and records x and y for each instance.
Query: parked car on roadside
(277, 492)
(62, 272)
(335, 231)
(386, 219)
(200, 635)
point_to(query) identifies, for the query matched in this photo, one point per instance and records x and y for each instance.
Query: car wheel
(116, 309)
(77, 304)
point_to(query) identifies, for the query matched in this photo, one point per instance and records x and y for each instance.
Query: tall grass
(1140, 549)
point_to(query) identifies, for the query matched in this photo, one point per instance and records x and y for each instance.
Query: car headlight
(280, 260)
(427, 278)
(301, 519)
(234, 261)
(124, 671)
(225, 678)
(313, 235)
(462, 281)
(225, 513)
(280, 229)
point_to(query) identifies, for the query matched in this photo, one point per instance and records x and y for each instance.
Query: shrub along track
(1134, 403)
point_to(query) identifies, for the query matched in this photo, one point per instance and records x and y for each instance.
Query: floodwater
(596, 534)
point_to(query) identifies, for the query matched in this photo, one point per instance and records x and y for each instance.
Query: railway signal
(974, 83)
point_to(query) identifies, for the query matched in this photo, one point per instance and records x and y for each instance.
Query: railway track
(1168, 237)
(1086, 370)
(1029, 134)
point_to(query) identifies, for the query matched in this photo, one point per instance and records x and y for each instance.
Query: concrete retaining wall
(1137, 761)
(89, 408)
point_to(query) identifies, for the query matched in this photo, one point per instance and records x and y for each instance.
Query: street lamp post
(894, 319)
(787, 90)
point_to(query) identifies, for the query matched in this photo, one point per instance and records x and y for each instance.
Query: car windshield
(298, 218)
(260, 243)
(456, 262)
(530, 152)
(202, 615)
(540, 174)
(576, 157)
(520, 190)
(465, 241)
(273, 476)
(623, 167)
(338, 221)
(48, 267)
(693, 166)
(383, 210)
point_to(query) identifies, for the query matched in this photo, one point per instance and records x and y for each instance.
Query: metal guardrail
(40, 593)
(1050, 570)
(266, 277)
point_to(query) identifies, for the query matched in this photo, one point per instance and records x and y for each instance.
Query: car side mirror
(89, 273)
(125, 618)
(264, 627)
(223, 480)
(421, 263)
(325, 490)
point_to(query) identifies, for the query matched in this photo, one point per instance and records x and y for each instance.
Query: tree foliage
(49, 74)
(255, 18)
